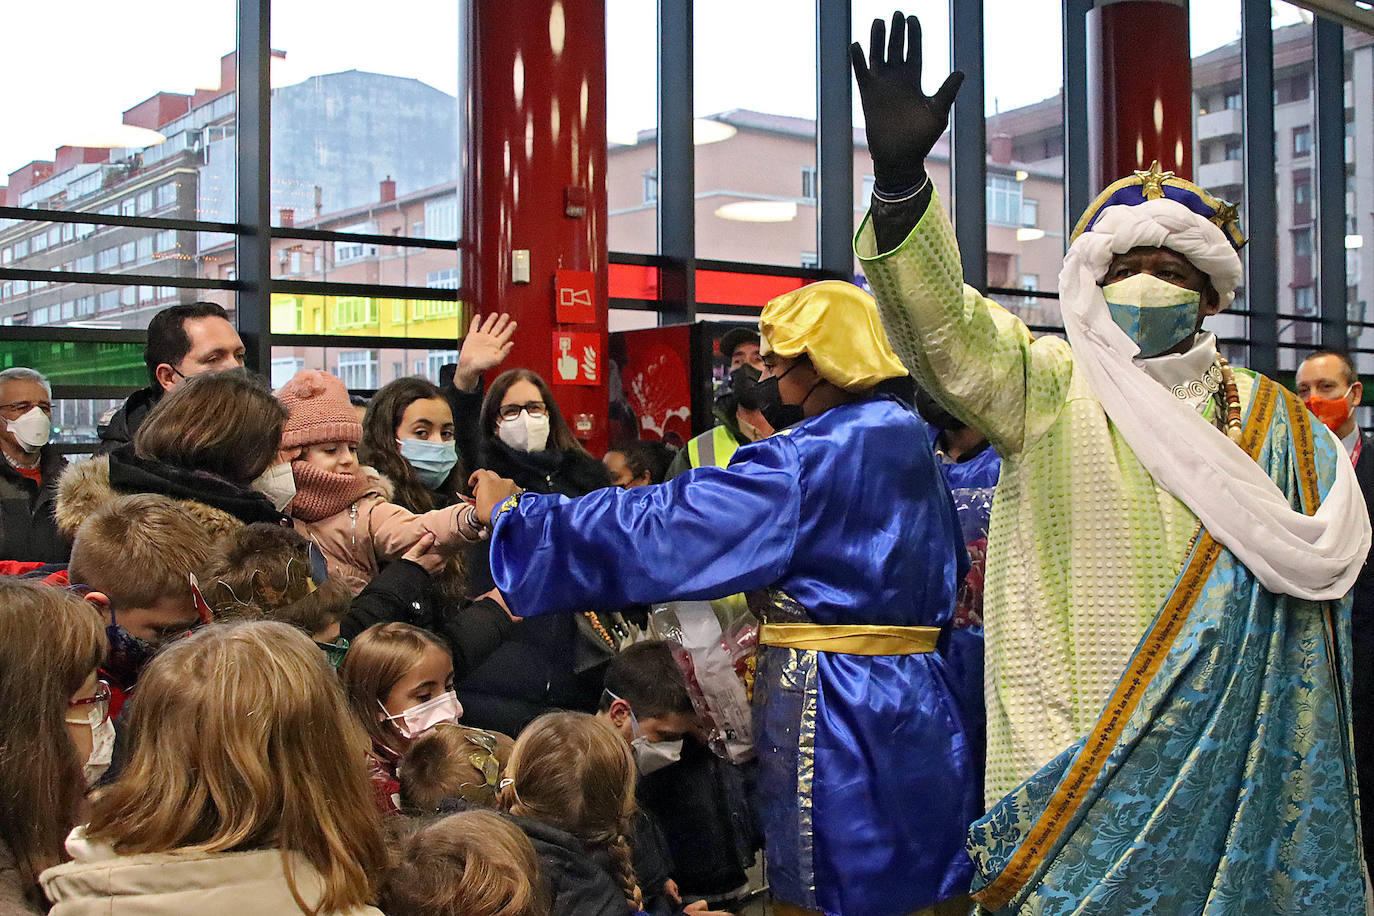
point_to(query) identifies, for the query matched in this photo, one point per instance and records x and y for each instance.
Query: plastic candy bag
(713, 643)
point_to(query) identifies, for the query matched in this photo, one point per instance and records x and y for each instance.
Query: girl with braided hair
(570, 785)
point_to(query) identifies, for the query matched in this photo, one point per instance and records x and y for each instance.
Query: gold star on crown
(1226, 213)
(1152, 180)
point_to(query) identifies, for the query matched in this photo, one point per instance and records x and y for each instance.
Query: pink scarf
(321, 493)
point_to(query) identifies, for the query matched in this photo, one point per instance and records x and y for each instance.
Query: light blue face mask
(1155, 314)
(431, 461)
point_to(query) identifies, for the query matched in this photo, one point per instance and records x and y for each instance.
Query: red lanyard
(1355, 452)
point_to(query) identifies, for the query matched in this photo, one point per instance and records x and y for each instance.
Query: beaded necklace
(1228, 381)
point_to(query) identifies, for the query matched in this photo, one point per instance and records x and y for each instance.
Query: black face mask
(778, 414)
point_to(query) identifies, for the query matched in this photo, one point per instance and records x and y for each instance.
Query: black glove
(903, 122)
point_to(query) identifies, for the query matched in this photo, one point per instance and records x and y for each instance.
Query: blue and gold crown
(1153, 184)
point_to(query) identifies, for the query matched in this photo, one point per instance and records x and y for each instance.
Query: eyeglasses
(101, 699)
(533, 408)
(17, 409)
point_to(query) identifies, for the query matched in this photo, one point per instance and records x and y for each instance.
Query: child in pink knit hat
(336, 505)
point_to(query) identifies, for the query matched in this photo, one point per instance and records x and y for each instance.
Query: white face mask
(652, 756)
(278, 484)
(32, 429)
(525, 433)
(102, 746)
(419, 719)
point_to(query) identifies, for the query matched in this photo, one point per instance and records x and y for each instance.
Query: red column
(1139, 89)
(535, 181)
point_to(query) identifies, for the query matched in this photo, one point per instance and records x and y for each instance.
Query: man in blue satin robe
(843, 531)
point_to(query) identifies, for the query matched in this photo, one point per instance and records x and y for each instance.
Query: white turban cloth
(1314, 557)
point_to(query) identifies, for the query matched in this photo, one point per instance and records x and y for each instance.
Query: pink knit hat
(320, 412)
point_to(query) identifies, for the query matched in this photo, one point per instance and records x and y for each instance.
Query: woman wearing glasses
(55, 726)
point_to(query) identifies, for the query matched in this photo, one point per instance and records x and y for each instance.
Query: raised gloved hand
(903, 122)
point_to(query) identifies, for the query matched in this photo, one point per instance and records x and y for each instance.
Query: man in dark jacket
(29, 471)
(183, 341)
(1330, 387)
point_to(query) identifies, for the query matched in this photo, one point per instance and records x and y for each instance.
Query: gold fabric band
(850, 639)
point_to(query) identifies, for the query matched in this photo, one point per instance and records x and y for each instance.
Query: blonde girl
(575, 773)
(475, 863)
(246, 790)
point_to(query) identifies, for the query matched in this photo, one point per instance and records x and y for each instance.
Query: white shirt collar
(1192, 375)
(1351, 440)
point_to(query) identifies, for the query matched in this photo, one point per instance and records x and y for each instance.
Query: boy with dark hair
(698, 829)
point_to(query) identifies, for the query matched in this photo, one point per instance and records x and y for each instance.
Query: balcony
(1217, 124)
(1228, 173)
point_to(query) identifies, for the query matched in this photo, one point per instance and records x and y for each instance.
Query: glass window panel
(361, 367)
(1293, 171)
(364, 316)
(81, 362)
(632, 126)
(934, 16)
(1024, 111)
(755, 130)
(95, 144)
(366, 114)
(1359, 198)
(53, 302)
(1219, 136)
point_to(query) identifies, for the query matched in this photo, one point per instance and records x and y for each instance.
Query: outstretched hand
(489, 490)
(489, 341)
(903, 122)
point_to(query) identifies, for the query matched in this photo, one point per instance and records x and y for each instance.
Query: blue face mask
(1156, 314)
(431, 461)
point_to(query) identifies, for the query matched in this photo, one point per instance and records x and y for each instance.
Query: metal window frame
(1261, 196)
(968, 142)
(1328, 69)
(676, 162)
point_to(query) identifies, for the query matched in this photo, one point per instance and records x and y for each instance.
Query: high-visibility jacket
(714, 447)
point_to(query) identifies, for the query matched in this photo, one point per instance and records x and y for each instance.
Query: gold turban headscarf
(836, 325)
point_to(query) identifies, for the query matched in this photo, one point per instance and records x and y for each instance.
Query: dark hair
(1352, 375)
(560, 433)
(357, 400)
(168, 341)
(262, 572)
(226, 423)
(378, 448)
(652, 458)
(646, 676)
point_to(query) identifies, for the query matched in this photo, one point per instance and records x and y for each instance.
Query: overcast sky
(82, 68)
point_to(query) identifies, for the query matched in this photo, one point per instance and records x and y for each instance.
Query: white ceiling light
(759, 211)
(116, 136)
(1027, 234)
(1354, 241)
(705, 130)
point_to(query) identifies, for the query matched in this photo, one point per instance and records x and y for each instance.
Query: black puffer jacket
(579, 882)
(119, 429)
(28, 529)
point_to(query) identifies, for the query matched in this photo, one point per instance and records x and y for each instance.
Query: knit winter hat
(320, 412)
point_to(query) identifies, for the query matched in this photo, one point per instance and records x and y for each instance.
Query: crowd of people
(1045, 625)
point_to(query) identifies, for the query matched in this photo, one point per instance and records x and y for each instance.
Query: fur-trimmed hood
(85, 487)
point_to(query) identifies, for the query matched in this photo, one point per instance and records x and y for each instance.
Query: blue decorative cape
(868, 780)
(1219, 778)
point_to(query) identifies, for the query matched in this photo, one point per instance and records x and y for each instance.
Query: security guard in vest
(740, 422)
